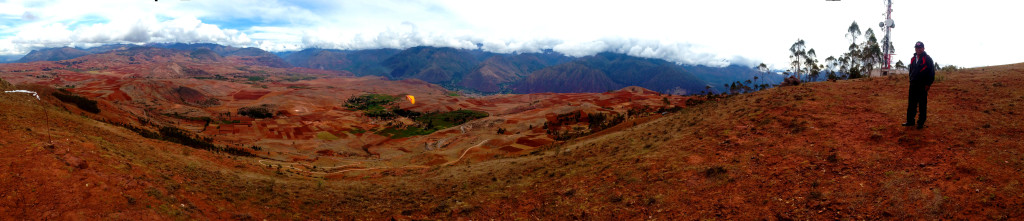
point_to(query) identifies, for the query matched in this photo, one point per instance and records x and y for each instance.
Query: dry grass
(828, 150)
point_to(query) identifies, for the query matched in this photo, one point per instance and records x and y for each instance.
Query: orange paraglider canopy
(411, 99)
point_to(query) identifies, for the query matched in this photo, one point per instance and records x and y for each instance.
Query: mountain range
(471, 70)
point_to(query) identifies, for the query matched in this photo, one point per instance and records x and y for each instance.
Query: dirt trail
(291, 165)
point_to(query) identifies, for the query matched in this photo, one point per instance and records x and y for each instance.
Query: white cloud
(403, 37)
(519, 46)
(695, 32)
(8, 48)
(49, 35)
(147, 30)
(511, 28)
(681, 53)
(28, 16)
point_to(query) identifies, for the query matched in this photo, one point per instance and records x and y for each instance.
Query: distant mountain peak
(53, 54)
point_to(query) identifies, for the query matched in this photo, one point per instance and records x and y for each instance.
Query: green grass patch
(261, 111)
(442, 120)
(256, 78)
(298, 78)
(357, 131)
(431, 122)
(407, 132)
(324, 135)
(370, 101)
(383, 106)
(373, 105)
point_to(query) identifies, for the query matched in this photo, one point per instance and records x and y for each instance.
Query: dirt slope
(828, 150)
(820, 151)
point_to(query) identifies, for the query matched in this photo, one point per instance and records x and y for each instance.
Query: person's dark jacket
(922, 69)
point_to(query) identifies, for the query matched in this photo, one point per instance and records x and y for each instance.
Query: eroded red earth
(152, 88)
(818, 151)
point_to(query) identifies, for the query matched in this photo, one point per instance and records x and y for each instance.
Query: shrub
(434, 121)
(396, 133)
(563, 127)
(379, 113)
(142, 132)
(948, 68)
(695, 101)
(406, 113)
(441, 120)
(82, 102)
(186, 138)
(715, 172)
(183, 137)
(237, 151)
(261, 111)
(5, 85)
(367, 101)
(196, 72)
(791, 81)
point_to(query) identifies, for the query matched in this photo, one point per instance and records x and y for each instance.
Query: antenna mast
(887, 26)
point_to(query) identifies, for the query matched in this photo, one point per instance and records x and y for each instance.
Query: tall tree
(831, 63)
(871, 51)
(763, 72)
(853, 32)
(851, 59)
(798, 52)
(811, 64)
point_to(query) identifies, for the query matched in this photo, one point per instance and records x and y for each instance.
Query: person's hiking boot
(907, 124)
(920, 126)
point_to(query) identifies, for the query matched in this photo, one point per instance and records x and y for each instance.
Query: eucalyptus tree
(798, 53)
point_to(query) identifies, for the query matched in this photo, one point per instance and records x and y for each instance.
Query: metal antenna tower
(887, 26)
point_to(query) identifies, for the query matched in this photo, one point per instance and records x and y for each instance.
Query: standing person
(922, 74)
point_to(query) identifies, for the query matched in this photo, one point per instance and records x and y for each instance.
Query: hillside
(53, 54)
(497, 72)
(606, 71)
(202, 51)
(571, 77)
(825, 150)
(820, 151)
(430, 64)
(718, 77)
(654, 74)
(360, 63)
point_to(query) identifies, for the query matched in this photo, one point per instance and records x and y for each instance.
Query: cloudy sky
(744, 32)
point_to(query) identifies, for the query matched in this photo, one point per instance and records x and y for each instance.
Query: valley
(155, 133)
(305, 123)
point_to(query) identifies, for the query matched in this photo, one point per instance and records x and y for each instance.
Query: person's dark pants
(918, 99)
